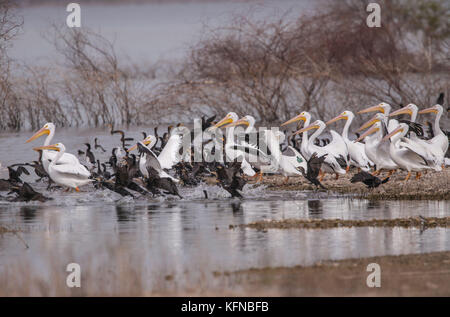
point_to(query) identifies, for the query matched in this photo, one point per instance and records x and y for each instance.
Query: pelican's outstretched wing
(253, 153)
(416, 153)
(170, 155)
(150, 158)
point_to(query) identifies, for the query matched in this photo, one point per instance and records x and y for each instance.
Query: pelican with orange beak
(431, 150)
(248, 121)
(65, 174)
(358, 157)
(385, 109)
(229, 118)
(377, 151)
(406, 156)
(230, 121)
(306, 118)
(148, 157)
(47, 156)
(249, 151)
(334, 163)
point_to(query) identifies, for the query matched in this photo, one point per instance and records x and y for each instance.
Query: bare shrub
(96, 86)
(10, 25)
(322, 62)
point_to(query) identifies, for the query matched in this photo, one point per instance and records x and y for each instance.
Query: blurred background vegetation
(324, 60)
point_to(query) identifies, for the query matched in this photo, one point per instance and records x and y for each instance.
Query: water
(193, 235)
(194, 232)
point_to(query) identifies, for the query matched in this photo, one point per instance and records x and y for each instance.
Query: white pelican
(289, 160)
(149, 157)
(431, 151)
(385, 109)
(47, 156)
(232, 153)
(358, 157)
(69, 174)
(377, 151)
(405, 155)
(170, 154)
(440, 139)
(257, 151)
(334, 162)
(306, 118)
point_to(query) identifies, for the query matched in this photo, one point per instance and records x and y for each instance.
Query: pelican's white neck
(316, 134)
(49, 137)
(59, 154)
(436, 128)
(348, 122)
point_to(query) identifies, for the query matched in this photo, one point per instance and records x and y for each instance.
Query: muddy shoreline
(418, 222)
(403, 275)
(431, 186)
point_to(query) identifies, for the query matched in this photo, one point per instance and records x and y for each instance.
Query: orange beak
(339, 117)
(297, 118)
(310, 127)
(134, 147)
(372, 109)
(239, 122)
(401, 111)
(38, 134)
(222, 122)
(52, 147)
(429, 110)
(368, 132)
(369, 124)
(398, 130)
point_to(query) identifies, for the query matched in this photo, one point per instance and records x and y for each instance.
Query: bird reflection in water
(315, 207)
(125, 214)
(236, 207)
(28, 213)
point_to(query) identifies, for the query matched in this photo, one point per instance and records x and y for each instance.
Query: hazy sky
(144, 32)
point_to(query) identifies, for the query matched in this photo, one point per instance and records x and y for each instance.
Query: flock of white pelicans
(385, 148)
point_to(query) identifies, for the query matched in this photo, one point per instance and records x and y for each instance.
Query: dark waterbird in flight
(313, 168)
(26, 193)
(368, 179)
(14, 174)
(230, 178)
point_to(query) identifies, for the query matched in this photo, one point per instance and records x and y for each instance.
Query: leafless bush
(89, 87)
(96, 86)
(322, 62)
(10, 25)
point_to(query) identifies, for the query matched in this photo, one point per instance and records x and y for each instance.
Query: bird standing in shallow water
(65, 174)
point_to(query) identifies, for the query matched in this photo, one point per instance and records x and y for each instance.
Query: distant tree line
(323, 62)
